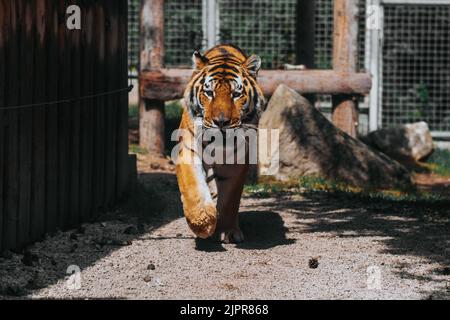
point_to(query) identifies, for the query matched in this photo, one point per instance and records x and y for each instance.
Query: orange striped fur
(222, 94)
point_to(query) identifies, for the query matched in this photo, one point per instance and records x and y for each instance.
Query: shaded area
(408, 228)
(152, 204)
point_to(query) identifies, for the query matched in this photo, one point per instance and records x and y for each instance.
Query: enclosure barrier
(158, 85)
(63, 115)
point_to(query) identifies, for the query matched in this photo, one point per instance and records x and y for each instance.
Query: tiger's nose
(222, 121)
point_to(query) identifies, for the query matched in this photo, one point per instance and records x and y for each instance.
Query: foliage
(439, 162)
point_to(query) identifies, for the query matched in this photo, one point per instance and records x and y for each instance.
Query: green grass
(314, 184)
(439, 162)
(134, 148)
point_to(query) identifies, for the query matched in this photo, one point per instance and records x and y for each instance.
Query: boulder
(309, 144)
(410, 142)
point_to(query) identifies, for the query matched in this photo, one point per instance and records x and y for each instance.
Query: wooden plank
(151, 112)
(75, 107)
(99, 116)
(87, 112)
(169, 84)
(3, 63)
(63, 119)
(27, 22)
(111, 76)
(37, 219)
(122, 114)
(345, 54)
(11, 188)
(51, 185)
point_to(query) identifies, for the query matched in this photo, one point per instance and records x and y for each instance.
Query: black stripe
(223, 66)
(224, 73)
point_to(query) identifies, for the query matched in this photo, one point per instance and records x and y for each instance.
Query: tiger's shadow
(263, 230)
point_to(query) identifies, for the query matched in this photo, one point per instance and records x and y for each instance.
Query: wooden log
(64, 49)
(38, 178)
(345, 56)
(111, 81)
(305, 37)
(122, 114)
(11, 188)
(52, 120)
(305, 33)
(26, 36)
(151, 112)
(75, 108)
(3, 62)
(87, 110)
(98, 187)
(169, 84)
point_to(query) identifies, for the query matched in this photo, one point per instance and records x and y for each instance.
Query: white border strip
(424, 2)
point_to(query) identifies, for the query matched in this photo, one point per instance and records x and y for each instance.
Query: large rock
(311, 145)
(405, 142)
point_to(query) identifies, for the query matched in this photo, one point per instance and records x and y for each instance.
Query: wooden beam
(345, 56)
(151, 112)
(169, 84)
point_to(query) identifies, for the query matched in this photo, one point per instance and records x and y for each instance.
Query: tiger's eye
(236, 94)
(209, 93)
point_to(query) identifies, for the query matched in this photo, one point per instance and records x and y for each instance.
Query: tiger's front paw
(233, 236)
(203, 222)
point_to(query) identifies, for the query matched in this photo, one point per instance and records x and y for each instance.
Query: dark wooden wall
(60, 163)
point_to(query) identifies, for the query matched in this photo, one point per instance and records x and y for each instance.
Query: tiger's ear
(253, 64)
(199, 60)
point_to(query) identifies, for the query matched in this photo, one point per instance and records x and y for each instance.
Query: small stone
(313, 263)
(155, 166)
(179, 235)
(151, 266)
(103, 224)
(147, 279)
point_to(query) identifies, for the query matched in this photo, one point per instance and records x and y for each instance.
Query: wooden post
(345, 53)
(305, 37)
(151, 112)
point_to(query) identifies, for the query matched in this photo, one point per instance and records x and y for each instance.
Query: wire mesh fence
(323, 46)
(416, 65)
(133, 36)
(265, 27)
(183, 33)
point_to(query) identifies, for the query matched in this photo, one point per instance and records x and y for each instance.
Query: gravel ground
(310, 246)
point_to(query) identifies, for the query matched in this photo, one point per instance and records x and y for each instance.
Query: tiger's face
(223, 91)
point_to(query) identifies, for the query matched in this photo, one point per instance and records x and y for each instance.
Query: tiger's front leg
(230, 181)
(198, 205)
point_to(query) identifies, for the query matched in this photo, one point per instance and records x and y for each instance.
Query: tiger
(222, 94)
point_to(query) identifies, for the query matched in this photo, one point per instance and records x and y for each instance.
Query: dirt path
(381, 251)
